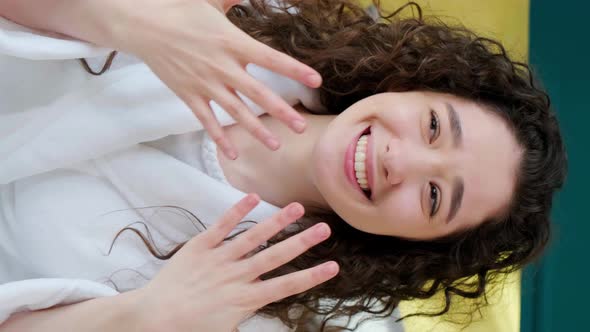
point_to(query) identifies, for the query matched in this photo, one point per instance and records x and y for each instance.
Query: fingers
(230, 219)
(269, 101)
(285, 251)
(294, 283)
(281, 63)
(223, 5)
(228, 4)
(203, 112)
(235, 107)
(260, 233)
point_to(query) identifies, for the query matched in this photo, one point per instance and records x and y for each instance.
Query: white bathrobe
(81, 157)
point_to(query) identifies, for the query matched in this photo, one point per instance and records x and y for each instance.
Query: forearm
(96, 21)
(114, 313)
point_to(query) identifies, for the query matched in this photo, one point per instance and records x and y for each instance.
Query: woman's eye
(434, 199)
(434, 126)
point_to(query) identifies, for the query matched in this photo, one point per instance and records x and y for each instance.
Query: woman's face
(431, 163)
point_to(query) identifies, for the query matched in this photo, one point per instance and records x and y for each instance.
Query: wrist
(130, 309)
(97, 21)
(138, 308)
(123, 25)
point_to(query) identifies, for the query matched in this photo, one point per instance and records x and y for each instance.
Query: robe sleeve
(37, 294)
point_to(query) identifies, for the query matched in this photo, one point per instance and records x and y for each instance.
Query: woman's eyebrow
(458, 185)
(455, 123)
(456, 197)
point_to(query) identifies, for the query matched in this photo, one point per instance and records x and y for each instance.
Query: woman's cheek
(403, 209)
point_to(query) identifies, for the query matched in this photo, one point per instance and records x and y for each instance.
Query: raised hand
(198, 53)
(212, 286)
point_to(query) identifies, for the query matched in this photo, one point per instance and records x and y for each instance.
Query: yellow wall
(501, 315)
(507, 21)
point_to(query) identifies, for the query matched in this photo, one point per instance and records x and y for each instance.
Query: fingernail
(330, 268)
(272, 143)
(322, 231)
(314, 80)
(298, 125)
(252, 199)
(231, 153)
(294, 210)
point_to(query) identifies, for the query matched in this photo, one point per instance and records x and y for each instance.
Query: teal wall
(556, 293)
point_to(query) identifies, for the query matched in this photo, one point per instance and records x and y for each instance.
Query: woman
(463, 155)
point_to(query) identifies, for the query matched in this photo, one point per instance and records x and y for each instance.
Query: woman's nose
(404, 160)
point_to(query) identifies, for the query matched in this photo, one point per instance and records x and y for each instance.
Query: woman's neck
(281, 176)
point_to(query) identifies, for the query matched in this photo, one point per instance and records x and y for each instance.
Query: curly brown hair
(359, 56)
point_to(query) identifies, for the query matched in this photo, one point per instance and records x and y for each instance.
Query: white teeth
(359, 166)
(359, 162)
